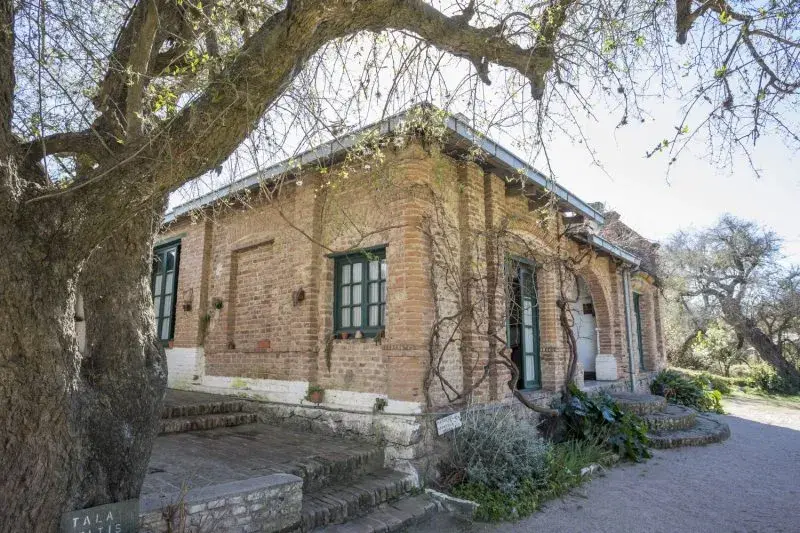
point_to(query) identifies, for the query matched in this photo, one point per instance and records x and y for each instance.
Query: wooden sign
(120, 517)
(448, 423)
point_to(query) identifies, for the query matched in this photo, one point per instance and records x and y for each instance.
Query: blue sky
(695, 193)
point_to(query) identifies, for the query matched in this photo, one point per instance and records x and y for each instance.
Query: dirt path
(750, 483)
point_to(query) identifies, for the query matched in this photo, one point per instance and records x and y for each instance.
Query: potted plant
(315, 394)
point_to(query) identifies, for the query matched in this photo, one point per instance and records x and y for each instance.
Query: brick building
(406, 270)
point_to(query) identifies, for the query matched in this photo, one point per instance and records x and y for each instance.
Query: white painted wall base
(184, 365)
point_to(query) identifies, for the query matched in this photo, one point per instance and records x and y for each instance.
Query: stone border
(266, 503)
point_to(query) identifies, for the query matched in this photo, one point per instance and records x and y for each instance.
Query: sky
(695, 194)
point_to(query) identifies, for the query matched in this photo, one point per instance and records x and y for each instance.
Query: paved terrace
(201, 458)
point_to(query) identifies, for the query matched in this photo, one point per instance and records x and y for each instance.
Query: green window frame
(637, 312)
(360, 292)
(166, 263)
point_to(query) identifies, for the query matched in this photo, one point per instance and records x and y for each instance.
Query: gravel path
(749, 483)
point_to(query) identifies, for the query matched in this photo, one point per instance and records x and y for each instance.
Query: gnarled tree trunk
(77, 428)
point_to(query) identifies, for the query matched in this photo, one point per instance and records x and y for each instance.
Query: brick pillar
(553, 351)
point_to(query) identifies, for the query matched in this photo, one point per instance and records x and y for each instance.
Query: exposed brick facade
(447, 226)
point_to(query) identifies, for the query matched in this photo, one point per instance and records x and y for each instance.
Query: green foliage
(565, 460)
(719, 346)
(599, 417)
(691, 391)
(765, 378)
(497, 451)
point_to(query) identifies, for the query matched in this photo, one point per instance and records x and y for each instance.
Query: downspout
(626, 289)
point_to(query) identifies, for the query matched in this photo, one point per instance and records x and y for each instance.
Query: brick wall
(447, 226)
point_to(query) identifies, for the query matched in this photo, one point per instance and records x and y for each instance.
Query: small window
(360, 297)
(165, 285)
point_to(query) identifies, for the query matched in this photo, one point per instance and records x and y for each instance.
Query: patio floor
(197, 459)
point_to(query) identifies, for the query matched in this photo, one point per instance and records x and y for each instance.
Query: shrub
(765, 377)
(566, 460)
(599, 417)
(495, 450)
(695, 392)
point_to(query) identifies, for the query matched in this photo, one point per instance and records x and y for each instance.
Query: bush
(566, 460)
(764, 377)
(599, 417)
(496, 451)
(691, 391)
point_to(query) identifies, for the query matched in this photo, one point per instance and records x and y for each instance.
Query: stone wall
(267, 504)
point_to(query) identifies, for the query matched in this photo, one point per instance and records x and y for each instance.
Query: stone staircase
(671, 426)
(224, 412)
(357, 494)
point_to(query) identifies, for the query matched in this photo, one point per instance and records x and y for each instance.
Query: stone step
(320, 471)
(640, 404)
(196, 423)
(706, 430)
(402, 515)
(342, 502)
(183, 410)
(672, 418)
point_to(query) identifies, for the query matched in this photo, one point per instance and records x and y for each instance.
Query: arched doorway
(584, 326)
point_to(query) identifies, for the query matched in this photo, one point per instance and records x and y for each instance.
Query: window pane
(167, 305)
(383, 291)
(383, 314)
(345, 273)
(373, 270)
(357, 316)
(169, 285)
(345, 295)
(373, 293)
(165, 329)
(170, 260)
(356, 293)
(527, 310)
(157, 285)
(157, 306)
(528, 340)
(383, 268)
(373, 315)
(357, 272)
(345, 314)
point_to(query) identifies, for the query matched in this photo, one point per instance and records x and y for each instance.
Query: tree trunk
(760, 341)
(77, 429)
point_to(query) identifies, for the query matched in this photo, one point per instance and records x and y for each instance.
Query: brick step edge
(707, 430)
(397, 516)
(672, 418)
(343, 502)
(199, 409)
(319, 472)
(202, 422)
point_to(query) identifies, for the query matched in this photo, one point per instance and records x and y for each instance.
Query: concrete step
(342, 502)
(183, 410)
(706, 430)
(402, 515)
(321, 471)
(640, 404)
(672, 418)
(209, 421)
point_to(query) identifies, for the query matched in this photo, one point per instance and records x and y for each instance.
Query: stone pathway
(749, 483)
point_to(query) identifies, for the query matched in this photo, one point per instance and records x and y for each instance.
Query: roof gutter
(457, 127)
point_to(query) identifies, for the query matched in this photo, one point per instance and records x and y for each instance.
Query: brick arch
(602, 310)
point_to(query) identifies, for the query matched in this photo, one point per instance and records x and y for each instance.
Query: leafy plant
(314, 390)
(598, 417)
(765, 377)
(695, 392)
(497, 451)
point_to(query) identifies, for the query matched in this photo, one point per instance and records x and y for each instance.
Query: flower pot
(316, 396)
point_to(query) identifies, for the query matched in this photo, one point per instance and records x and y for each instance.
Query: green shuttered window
(165, 285)
(360, 297)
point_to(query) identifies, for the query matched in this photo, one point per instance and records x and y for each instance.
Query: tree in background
(720, 348)
(732, 272)
(106, 107)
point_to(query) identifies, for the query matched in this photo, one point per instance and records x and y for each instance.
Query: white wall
(584, 328)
